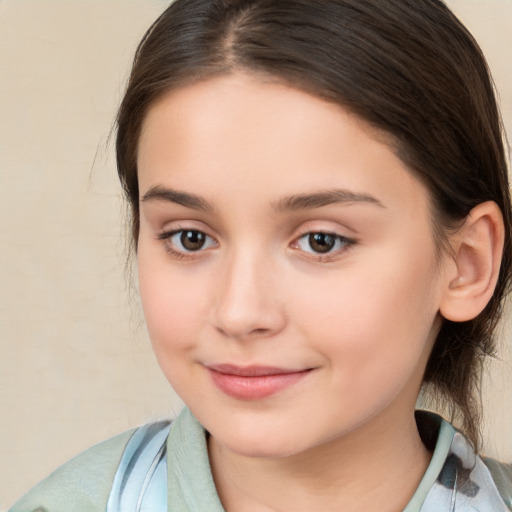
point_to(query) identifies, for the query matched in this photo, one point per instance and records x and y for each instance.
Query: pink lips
(253, 382)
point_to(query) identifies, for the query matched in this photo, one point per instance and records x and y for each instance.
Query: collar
(455, 479)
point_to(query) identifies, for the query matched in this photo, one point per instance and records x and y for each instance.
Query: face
(287, 267)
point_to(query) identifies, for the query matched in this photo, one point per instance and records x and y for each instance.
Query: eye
(187, 241)
(322, 243)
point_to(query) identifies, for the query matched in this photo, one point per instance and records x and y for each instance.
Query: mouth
(254, 382)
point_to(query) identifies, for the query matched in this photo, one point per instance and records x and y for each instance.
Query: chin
(261, 448)
(258, 441)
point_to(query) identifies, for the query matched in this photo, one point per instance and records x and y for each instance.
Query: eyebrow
(323, 198)
(186, 199)
(291, 203)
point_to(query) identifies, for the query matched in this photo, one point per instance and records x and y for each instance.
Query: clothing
(165, 466)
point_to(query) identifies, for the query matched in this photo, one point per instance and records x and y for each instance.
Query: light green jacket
(140, 471)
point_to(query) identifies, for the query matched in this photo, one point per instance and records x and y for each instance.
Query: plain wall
(75, 363)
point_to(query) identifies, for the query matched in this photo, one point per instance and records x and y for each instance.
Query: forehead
(228, 134)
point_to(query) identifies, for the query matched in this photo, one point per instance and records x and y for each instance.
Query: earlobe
(477, 248)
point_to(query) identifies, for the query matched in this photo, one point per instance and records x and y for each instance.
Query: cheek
(375, 322)
(172, 303)
(172, 310)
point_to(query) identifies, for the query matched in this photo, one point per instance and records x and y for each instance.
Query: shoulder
(83, 483)
(502, 476)
(457, 475)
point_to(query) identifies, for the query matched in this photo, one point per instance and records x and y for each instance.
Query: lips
(254, 382)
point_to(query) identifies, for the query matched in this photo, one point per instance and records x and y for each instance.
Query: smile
(254, 382)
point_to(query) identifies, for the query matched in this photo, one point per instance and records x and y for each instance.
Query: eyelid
(170, 227)
(325, 226)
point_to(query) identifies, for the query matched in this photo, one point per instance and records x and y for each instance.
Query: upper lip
(252, 370)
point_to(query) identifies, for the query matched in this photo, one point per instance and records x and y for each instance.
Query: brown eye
(192, 240)
(321, 242)
(186, 241)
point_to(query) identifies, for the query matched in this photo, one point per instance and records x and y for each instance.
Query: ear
(477, 250)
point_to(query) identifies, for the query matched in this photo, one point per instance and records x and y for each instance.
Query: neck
(381, 462)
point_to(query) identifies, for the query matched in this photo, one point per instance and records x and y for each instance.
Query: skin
(361, 318)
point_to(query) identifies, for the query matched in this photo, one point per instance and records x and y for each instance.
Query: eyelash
(166, 239)
(346, 244)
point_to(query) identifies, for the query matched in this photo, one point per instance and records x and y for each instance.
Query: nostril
(234, 333)
(246, 331)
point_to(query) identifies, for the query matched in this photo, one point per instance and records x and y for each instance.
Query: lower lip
(255, 388)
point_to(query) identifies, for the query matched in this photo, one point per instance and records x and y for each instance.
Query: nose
(248, 303)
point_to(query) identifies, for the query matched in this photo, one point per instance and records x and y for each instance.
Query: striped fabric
(140, 484)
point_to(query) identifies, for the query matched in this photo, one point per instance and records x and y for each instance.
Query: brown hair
(408, 67)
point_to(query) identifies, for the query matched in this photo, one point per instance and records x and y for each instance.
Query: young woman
(321, 217)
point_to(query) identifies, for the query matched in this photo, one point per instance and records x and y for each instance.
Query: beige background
(75, 363)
